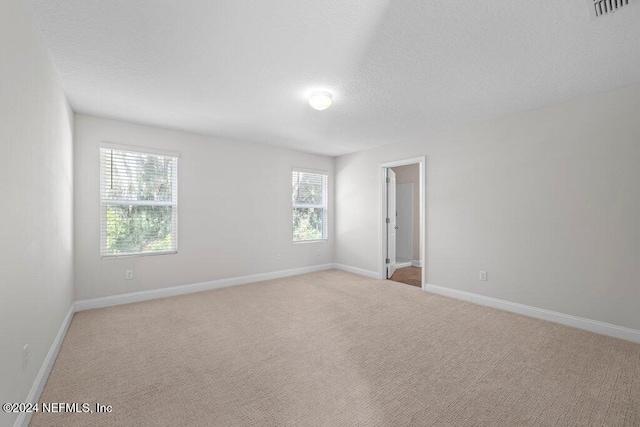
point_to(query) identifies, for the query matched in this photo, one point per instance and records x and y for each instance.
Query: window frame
(102, 202)
(324, 206)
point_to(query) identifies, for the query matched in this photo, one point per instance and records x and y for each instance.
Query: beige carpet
(336, 349)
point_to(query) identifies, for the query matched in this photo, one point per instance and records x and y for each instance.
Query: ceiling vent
(598, 8)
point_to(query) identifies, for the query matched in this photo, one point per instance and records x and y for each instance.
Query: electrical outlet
(483, 276)
(278, 257)
(25, 356)
(318, 252)
(129, 275)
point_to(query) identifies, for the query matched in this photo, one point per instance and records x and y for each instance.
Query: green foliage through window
(309, 200)
(139, 203)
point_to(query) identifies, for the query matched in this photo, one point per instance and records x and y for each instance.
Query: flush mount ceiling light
(320, 100)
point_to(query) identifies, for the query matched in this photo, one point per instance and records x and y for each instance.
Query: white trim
(403, 264)
(137, 149)
(382, 238)
(43, 374)
(416, 263)
(298, 242)
(136, 254)
(404, 162)
(129, 298)
(112, 202)
(540, 313)
(356, 270)
(308, 170)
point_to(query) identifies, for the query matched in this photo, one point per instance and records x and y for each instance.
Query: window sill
(137, 254)
(297, 242)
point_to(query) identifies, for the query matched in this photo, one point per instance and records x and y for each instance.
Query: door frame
(391, 223)
(422, 163)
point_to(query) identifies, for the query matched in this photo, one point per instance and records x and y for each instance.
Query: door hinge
(388, 261)
(388, 180)
(388, 220)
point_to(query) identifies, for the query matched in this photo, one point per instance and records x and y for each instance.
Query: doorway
(403, 221)
(405, 255)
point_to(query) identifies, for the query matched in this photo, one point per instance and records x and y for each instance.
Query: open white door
(391, 222)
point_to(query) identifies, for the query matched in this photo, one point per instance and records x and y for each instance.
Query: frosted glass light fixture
(320, 100)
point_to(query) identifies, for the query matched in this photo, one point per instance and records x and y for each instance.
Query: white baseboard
(403, 264)
(41, 379)
(109, 301)
(416, 263)
(540, 313)
(356, 270)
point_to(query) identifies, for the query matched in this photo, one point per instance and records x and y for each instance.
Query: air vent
(600, 8)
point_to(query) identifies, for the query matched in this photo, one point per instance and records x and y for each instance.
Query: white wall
(234, 210)
(410, 174)
(547, 201)
(36, 185)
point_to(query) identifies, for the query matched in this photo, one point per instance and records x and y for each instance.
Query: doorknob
(396, 227)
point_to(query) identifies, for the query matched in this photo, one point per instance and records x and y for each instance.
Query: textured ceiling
(398, 70)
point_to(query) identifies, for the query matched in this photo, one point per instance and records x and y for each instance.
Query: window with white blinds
(309, 200)
(138, 203)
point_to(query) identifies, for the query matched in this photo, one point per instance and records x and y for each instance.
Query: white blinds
(309, 200)
(138, 203)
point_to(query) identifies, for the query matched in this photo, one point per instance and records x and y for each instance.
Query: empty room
(320, 213)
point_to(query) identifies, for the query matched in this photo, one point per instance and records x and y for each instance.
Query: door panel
(392, 224)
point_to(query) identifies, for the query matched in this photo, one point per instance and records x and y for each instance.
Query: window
(138, 203)
(309, 199)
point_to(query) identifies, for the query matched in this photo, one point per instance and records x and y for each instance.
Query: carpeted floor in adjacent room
(336, 349)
